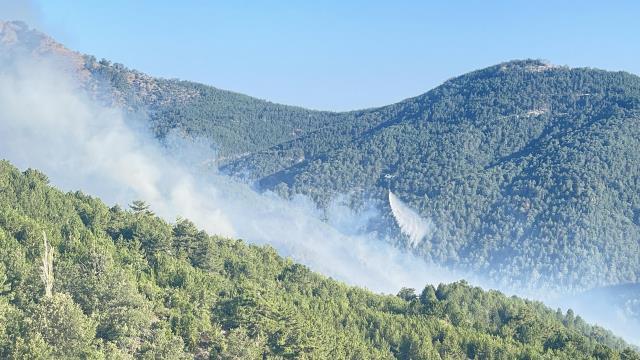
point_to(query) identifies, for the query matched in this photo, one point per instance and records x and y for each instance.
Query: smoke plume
(47, 124)
(23, 10)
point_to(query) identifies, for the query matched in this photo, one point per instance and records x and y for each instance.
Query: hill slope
(528, 171)
(127, 284)
(235, 123)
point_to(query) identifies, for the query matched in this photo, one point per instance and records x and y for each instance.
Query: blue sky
(340, 55)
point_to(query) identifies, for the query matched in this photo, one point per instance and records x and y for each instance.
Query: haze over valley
(143, 217)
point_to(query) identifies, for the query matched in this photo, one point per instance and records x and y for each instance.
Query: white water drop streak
(410, 222)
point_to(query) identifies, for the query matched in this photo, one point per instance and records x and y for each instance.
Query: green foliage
(139, 206)
(127, 284)
(528, 171)
(236, 124)
(62, 325)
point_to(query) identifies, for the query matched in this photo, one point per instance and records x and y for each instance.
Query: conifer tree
(140, 207)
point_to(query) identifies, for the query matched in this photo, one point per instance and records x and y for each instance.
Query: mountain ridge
(20, 34)
(525, 168)
(528, 171)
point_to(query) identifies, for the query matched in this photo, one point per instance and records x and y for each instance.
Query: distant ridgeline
(81, 280)
(529, 172)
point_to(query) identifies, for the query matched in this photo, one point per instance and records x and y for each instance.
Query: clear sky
(338, 55)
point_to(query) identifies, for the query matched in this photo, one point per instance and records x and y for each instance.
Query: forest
(528, 170)
(80, 279)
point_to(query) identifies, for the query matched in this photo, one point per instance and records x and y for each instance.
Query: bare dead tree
(47, 266)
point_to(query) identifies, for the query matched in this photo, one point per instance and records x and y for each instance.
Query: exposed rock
(133, 91)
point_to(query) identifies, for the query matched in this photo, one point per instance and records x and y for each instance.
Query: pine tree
(140, 207)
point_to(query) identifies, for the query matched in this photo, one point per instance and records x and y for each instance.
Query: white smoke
(23, 10)
(410, 222)
(45, 123)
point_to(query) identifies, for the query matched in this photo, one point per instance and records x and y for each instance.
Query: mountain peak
(530, 65)
(19, 34)
(17, 38)
(517, 66)
(10, 30)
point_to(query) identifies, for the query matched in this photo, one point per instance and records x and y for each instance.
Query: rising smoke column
(48, 123)
(410, 222)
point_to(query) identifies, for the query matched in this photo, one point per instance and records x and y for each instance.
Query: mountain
(527, 171)
(235, 123)
(81, 280)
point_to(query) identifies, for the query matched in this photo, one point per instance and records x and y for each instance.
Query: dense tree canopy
(128, 284)
(528, 171)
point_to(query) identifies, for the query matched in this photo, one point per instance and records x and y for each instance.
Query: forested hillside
(81, 280)
(527, 170)
(235, 124)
